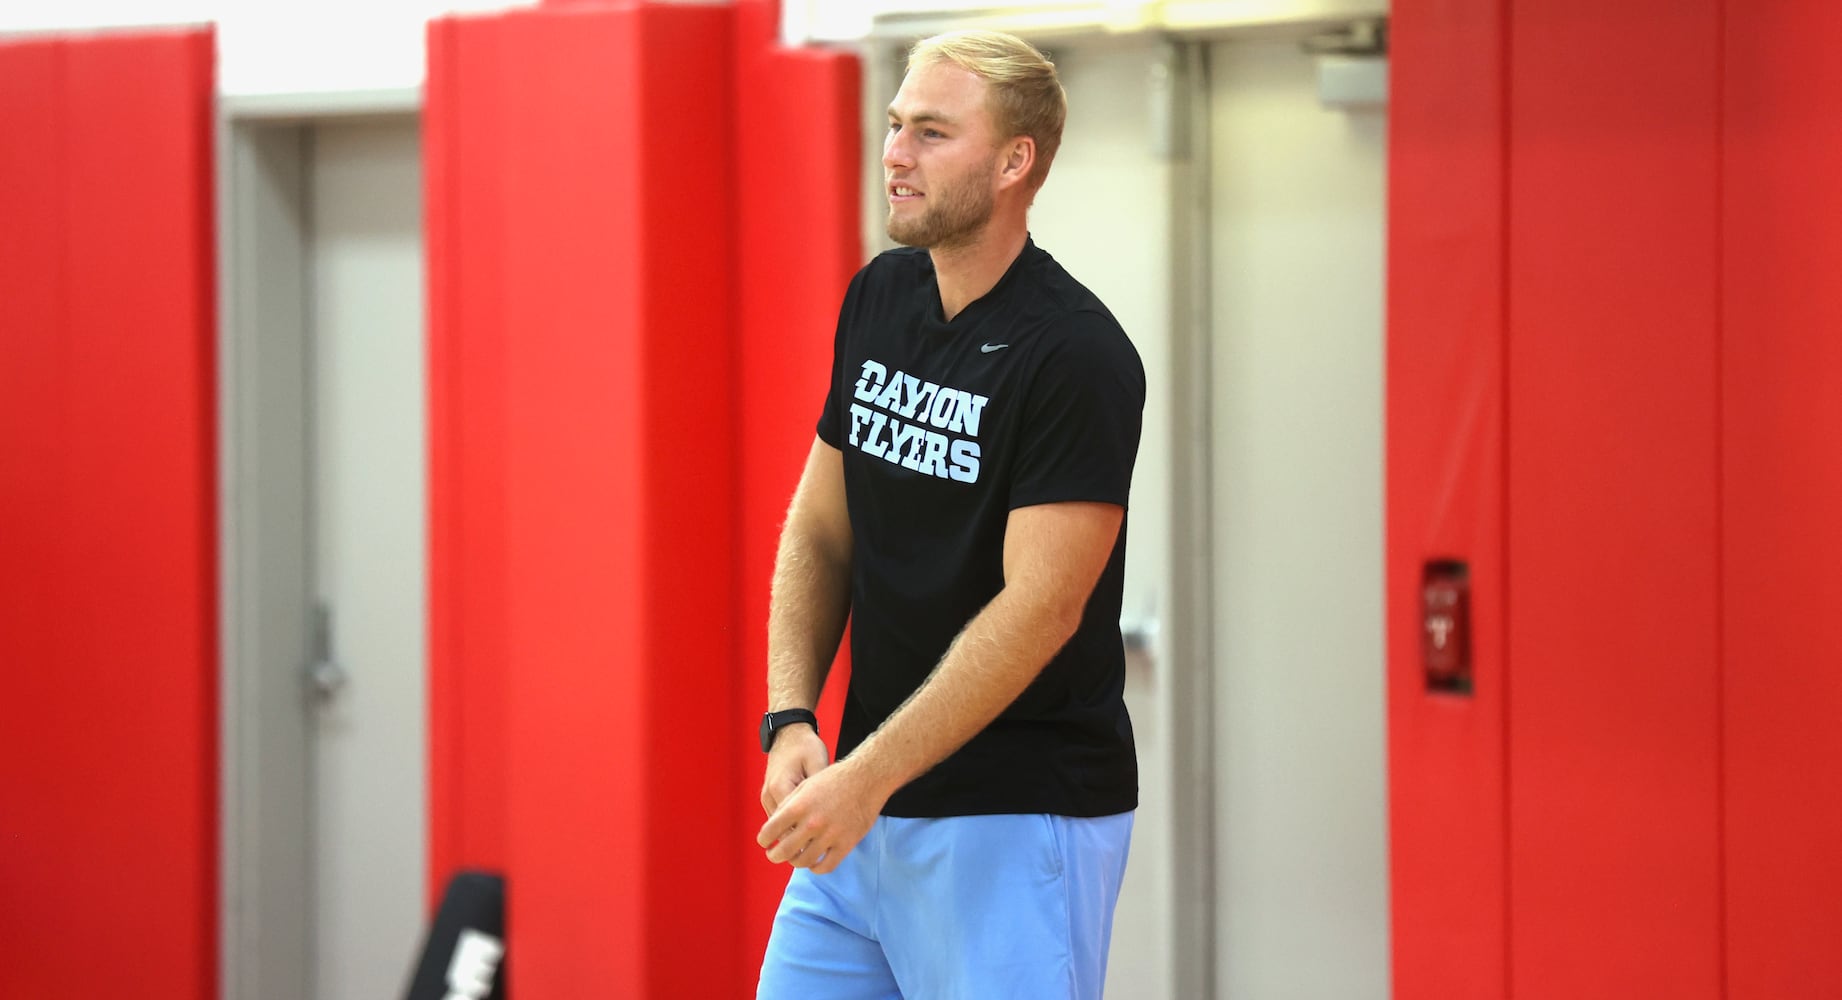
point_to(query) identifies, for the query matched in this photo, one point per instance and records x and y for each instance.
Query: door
(1298, 194)
(367, 533)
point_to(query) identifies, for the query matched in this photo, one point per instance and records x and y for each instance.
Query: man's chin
(906, 235)
(918, 233)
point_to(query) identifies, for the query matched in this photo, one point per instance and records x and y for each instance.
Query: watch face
(792, 717)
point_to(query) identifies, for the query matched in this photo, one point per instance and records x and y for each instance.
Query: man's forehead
(921, 114)
(938, 91)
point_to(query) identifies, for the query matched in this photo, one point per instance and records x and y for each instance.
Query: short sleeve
(1081, 419)
(831, 417)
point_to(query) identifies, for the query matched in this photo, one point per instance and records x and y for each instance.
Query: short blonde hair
(1026, 96)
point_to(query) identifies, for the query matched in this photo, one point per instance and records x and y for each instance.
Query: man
(964, 506)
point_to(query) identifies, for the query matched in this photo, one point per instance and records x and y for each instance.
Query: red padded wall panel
(468, 653)
(39, 803)
(1612, 505)
(689, 435)
(578, 721)
(110, 720)
(1782, 368)
(787, 309)
(611, 481)
(610, 466)
(580, 726)
(1445, 427)
(138, 390)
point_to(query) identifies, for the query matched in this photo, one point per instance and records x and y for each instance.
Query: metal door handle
(324, 674)
(327, 678)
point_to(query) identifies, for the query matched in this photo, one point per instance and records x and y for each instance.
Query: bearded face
(940, 158)
(952, 211)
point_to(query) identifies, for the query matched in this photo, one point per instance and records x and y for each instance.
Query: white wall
(312, 46)
(1300, 701)
(278, 46)
(845, 20)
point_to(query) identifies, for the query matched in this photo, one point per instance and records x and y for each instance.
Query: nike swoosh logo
(988, 348)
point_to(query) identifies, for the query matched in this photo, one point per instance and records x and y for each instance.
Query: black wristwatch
(773, 722)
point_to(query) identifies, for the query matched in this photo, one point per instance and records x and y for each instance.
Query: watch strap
(773, 722)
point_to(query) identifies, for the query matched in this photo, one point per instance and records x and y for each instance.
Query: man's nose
(896, 151)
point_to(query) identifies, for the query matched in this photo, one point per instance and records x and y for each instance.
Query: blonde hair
(1026, 98)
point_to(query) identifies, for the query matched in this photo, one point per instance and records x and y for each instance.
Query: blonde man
(964, 506)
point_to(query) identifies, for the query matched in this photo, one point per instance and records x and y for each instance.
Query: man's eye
(934, 134)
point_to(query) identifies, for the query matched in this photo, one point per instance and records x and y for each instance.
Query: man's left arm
(1054, 554)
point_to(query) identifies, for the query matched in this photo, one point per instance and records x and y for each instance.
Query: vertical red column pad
(463, 144)
(686, 195)
(108, 608)
(40, 808)
(1445, 472)
(1612, 489)
(596, 476)
(613, 450)
(797, 249)
(1782, 384)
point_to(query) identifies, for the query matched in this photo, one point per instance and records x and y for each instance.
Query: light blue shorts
(962, 908)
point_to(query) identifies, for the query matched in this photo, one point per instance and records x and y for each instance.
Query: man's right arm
(806, 615)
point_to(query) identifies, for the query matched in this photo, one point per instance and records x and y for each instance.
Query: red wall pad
(108, 794)
(468, 651)
(619, 488)
(1782, 399)
(1612, 501)
(1445, 494)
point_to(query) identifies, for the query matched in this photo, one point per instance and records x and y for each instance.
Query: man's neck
(966, 273)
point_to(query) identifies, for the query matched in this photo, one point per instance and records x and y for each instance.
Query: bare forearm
(806, 615)
(995, 657)
(1053, 554)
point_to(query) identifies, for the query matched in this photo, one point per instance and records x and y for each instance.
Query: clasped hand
(816, 814)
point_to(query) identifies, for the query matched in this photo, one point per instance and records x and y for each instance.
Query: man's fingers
(771, 831)
(814, 844)
(777, 786)
(791, 846)
(811, 857)
(773, 793)
(814, 762)
(778, 826)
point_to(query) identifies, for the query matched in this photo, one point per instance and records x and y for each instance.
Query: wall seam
(202, 61)
(735, 61)
(1505, 55)
(439, 833)
(1720, 497)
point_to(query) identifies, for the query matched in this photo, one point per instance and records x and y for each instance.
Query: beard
(955, 214)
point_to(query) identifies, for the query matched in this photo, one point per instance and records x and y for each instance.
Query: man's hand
(824, 818)
(798, 753)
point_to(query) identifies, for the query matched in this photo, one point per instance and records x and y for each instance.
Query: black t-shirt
(1031, 395)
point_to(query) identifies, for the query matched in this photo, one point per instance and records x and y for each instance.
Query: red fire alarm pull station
(1445, 626)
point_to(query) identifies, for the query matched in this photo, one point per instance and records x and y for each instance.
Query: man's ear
(1018, 160)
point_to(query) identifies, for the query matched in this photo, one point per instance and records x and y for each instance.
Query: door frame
(266, 591)
(1190, 702)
